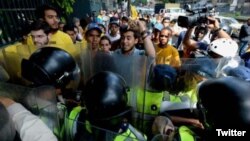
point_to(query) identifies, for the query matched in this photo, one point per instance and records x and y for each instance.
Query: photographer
(191, 45)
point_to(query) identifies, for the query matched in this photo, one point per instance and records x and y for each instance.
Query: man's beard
(53, 30)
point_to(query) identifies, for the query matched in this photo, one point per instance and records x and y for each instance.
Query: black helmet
(105, 95)
(226, 102)
(50, 66)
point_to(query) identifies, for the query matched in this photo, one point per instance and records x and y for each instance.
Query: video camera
(197, 16)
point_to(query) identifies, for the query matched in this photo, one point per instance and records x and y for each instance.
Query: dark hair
(69, 27)
(40, 25)
(84, 22)
(166, 18)
(105, 38)
(136, 34)
(167, 28)
(40, 11)
(124, 18)
(201, 28)
(102, 26)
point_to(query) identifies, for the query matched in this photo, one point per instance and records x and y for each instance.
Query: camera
(197, 16)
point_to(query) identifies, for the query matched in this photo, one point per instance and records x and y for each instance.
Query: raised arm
(148, 44)
(215, 28)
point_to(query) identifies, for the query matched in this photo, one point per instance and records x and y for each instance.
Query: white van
(173, 13)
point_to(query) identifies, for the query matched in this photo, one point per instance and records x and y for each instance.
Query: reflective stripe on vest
(71, 122)
(186, 134)
(131, 134)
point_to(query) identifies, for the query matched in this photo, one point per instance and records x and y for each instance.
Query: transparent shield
(4, 76)
(133, 69)
(7, 129)
(84, 131)
(13, 55)
(160, 137)
(40, 101)
(12, 63)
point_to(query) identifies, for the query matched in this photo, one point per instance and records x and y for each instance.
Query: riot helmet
(162, 77)
(226, 103)
(50, 66)
(105, 95)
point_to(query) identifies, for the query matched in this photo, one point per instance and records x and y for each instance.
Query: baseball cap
(158, 26)
(114, 20)
(93, 26)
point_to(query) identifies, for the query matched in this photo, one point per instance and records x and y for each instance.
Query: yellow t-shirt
(12, 60)
(168, 55)
(61, 40)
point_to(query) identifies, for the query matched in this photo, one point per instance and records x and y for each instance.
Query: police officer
(105, 97)
(55, 67)
(226, 110)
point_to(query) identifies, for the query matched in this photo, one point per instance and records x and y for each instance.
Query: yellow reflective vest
(131, 134)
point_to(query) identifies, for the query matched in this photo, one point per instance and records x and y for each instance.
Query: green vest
(186, 134)
(131, 134)
(152, 101)
(71, 123)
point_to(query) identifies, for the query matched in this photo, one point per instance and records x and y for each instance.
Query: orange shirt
(167, 55)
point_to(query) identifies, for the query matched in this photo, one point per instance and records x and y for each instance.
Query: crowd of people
(124, 78)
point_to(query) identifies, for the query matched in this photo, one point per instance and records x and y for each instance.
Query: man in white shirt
(29, 126)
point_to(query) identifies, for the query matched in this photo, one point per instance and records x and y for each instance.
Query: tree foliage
(66, 5)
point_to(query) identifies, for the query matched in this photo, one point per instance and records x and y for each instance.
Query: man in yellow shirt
(165, 53)
(58, 38)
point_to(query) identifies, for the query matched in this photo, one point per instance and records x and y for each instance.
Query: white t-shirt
(114, 38)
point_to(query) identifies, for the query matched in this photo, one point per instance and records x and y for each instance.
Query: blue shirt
(134, 52)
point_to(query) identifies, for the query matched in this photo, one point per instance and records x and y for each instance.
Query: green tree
(66, 5)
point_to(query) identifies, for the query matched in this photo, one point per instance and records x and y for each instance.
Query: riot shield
(13, 55)
(133, 69)
(7, 129)
(225, 64)
(4, 76)
(85, 131)
(182, 99)
(40, 101)
(12, 63)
